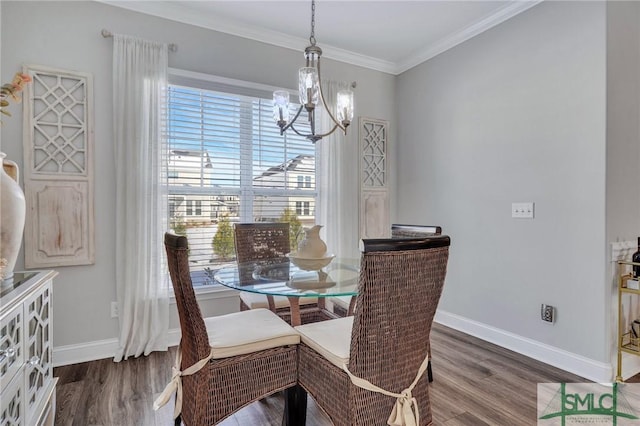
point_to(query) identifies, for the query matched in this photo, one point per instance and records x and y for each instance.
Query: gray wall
(516, 114)
(623, 112)
(623, 136)
(67, 35)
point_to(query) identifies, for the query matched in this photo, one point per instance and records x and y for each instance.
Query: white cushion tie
(405, 410)
(176, 382)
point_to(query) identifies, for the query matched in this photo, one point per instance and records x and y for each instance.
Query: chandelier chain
(312, 38)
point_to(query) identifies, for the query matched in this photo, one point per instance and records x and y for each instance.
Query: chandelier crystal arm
(314, 137)
(322, 135)
(290, 125)
(342, 126)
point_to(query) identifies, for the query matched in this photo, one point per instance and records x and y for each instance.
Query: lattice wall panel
(374, 153)
(60, 124)
(374, 188)
(58, 150)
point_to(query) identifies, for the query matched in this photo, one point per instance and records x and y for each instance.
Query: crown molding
(471, 31)
(173, 11)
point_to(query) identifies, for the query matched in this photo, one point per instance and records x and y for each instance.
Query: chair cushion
(331, 339)
(248, 331)
(256, 301)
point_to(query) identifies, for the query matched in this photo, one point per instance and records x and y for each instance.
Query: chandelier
(310, 92)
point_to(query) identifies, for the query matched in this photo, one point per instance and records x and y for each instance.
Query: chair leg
(429, 372)
(295, 406)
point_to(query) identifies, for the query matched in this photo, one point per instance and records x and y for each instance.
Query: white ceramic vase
(12, 216)
(312, 246)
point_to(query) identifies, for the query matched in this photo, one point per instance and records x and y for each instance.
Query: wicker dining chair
(226, 362)
(385, 342)
(269, 242)
(344, 306)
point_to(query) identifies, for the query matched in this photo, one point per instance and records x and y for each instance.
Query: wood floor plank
(68, 396)
(476, 384)
(465, 419)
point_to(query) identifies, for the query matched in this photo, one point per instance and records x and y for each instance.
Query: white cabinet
(27, 386)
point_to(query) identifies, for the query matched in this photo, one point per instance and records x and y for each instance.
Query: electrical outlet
(522, 210)
(114, 310)
(547, 313)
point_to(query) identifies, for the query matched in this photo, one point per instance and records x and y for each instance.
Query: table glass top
(283, 278)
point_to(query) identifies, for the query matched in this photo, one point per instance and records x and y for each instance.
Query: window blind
(228, 163)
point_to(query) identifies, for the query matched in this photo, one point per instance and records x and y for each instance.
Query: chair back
(400, 284)
(410, 231)
(195, 342)
(259, 241)
(262, 241)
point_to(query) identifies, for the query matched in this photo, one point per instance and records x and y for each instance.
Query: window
(303, 208)
(228, 163)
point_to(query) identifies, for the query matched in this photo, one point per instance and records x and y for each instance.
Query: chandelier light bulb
(308, 86)
(345, 106)
(281, 106)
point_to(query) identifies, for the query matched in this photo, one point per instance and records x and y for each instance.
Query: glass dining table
(282, 277)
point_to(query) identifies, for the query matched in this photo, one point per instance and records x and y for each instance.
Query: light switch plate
(522, 210)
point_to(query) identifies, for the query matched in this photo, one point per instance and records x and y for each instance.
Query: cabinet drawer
(27, 386)
(12, 410)
(11, 341)
(38, 368)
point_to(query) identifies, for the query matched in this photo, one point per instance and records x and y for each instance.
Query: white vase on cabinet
(12, 217)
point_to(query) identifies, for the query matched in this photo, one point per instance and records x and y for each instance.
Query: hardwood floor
(475, 383)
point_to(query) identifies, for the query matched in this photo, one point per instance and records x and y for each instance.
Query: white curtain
(338, 188)
(139, 99)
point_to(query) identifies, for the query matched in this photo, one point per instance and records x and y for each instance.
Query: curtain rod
(107, 34)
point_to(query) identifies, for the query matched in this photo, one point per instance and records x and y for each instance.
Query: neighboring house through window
(228, 163)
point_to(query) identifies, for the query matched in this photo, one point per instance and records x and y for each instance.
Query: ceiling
(389, 36)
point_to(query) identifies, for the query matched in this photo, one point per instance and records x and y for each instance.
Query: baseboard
(83, 352)
(590, 369)
(99, 349)
(173, 337)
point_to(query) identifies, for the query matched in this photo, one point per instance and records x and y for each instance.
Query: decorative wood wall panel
(374, 186)
(58, 158)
